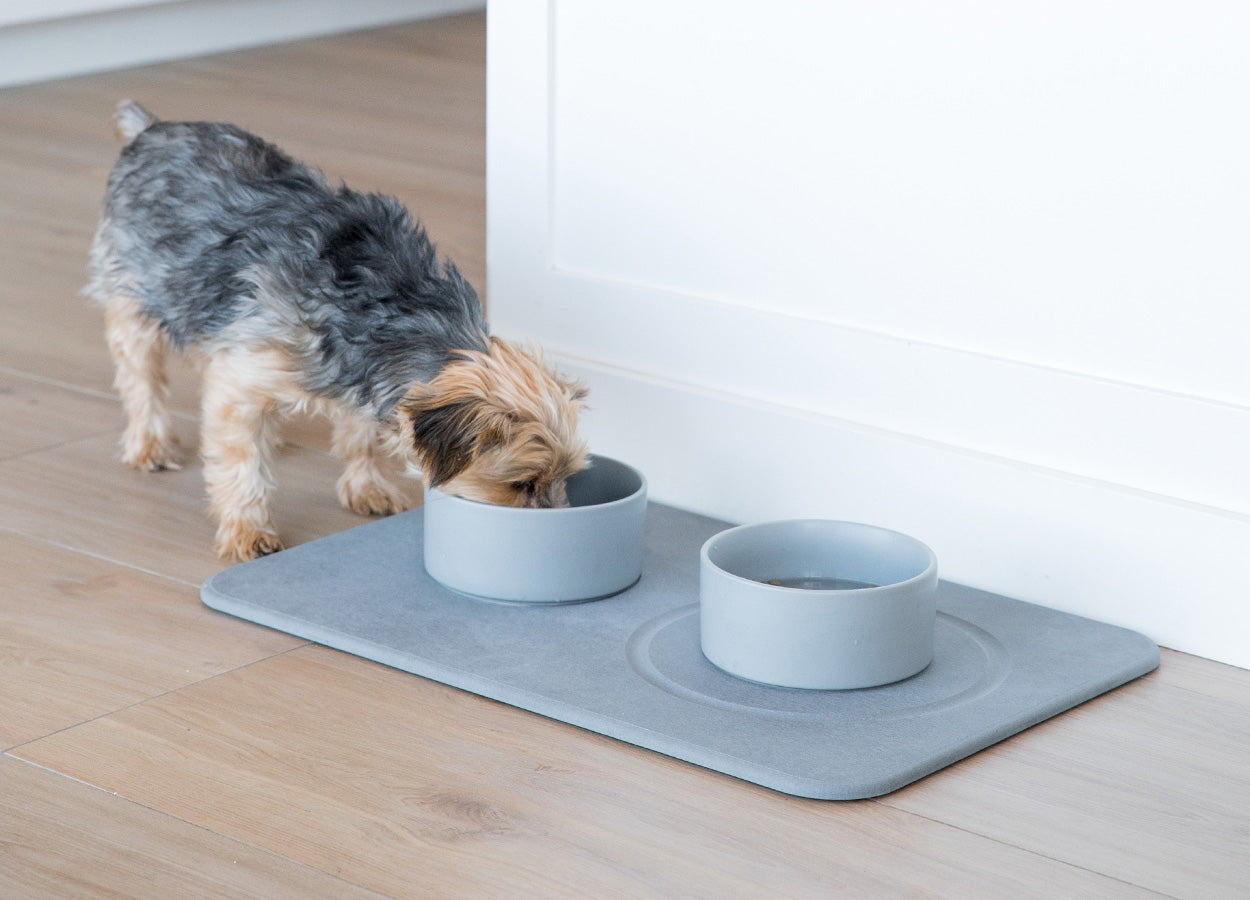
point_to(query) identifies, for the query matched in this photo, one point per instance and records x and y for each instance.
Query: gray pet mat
(630, 666)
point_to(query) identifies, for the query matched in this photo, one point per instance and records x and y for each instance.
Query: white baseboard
(64, 46)
(1093, 548)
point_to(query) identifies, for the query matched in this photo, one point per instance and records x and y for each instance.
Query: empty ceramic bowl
(817, 604)
(588, 550)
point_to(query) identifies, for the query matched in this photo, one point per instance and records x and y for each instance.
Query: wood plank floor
(154, 748)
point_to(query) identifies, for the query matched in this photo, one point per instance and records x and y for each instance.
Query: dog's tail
(131, 120)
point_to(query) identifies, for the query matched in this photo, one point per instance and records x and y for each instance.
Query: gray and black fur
(302, 296)
(217, 232)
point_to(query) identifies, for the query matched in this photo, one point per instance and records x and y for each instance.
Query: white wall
(15, 12)
(61, 38)
(975, 271)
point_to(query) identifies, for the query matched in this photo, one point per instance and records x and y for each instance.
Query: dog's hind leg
(237, 441)
(364, 487)
(139, 349)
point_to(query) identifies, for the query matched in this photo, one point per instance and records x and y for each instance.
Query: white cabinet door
(974, 271)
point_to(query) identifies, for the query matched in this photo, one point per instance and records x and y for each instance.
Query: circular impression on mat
(968, 662)
(586, 551)
(813, 603)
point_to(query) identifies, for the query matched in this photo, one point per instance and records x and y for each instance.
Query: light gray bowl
(586, 551)
(817, 604)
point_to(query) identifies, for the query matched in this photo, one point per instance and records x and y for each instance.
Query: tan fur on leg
(139, 349)
(238, 436)
(363, 487)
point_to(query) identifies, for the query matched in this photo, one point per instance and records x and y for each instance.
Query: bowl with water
(817, 604)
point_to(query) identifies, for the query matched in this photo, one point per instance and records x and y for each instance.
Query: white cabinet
(974, 271)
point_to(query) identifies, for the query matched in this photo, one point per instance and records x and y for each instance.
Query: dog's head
(498, 427)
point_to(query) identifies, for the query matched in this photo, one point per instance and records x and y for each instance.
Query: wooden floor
(154, 748)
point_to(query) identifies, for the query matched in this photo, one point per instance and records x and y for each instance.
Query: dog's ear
(445, 435)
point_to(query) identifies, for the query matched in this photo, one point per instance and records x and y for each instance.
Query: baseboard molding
(1152, 563)
(140, 35)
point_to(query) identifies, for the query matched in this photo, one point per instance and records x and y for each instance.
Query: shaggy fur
(303, 296)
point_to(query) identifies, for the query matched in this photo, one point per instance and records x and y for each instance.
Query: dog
(300, 297)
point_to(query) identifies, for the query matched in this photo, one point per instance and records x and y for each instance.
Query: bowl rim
(522, 511)
(781, 590)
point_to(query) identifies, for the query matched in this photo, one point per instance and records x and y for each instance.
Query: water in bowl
(820, 583)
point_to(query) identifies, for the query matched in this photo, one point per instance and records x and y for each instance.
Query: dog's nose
(552, 497)
(536, 499)
(557, 497)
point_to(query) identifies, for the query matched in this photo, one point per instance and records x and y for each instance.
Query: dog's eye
(525, 487)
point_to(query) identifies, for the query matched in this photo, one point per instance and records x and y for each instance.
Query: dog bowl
(586, 551)
(817, 604)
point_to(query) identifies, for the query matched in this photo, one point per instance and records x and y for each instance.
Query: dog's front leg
(364, 487)
(237, 441)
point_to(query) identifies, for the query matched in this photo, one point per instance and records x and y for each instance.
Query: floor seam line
(204, 828)
(12, 751)
(98, 556)
(1015, 846)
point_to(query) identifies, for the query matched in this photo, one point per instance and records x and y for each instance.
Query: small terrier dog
(301, 297)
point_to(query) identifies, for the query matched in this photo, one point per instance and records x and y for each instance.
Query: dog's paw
(239, 542)
(151, 454)
(371, 498)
